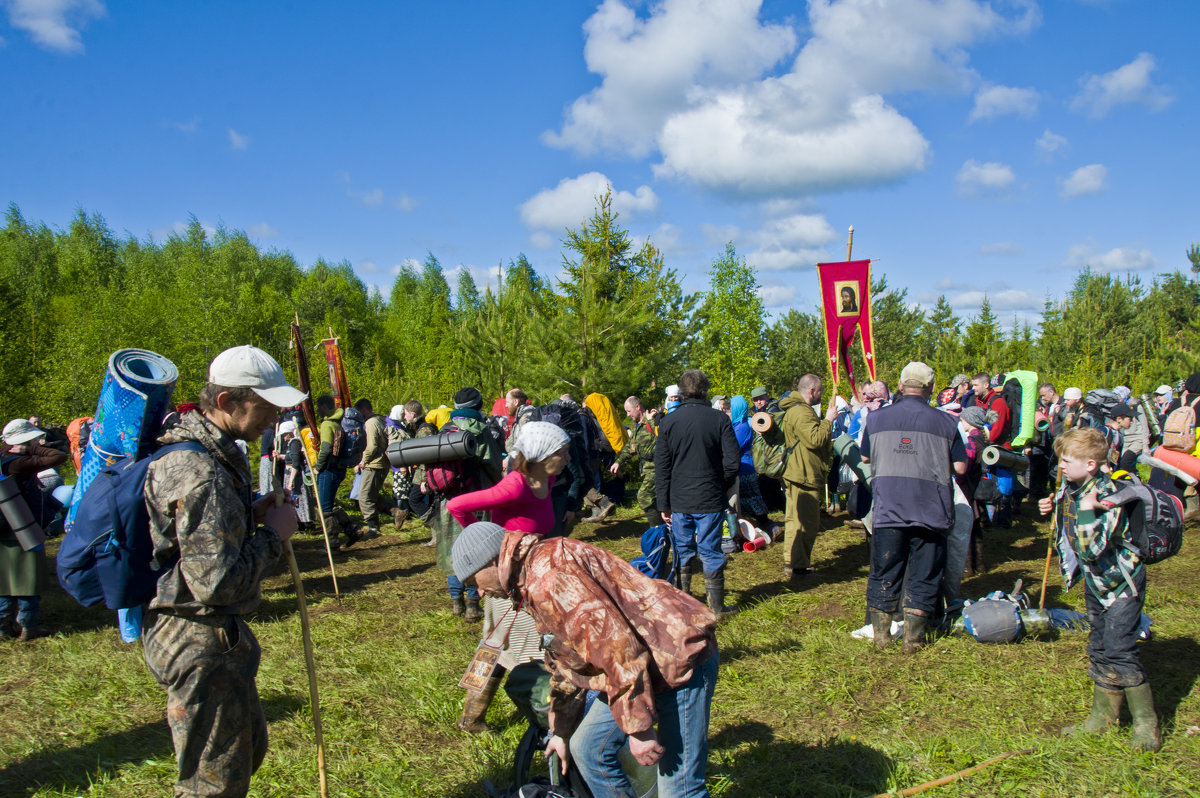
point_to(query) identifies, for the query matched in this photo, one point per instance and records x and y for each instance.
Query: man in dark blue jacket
(695, 464)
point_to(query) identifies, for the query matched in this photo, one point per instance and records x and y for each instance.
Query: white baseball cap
(250, 367)
(1164, 390)
(19, 430)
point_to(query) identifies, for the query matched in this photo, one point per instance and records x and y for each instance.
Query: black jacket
(696, 459)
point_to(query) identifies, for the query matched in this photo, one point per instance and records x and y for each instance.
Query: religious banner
(846, 307)
(302, 380)
(337, 373)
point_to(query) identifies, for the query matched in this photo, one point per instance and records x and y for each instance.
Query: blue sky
(975, 147)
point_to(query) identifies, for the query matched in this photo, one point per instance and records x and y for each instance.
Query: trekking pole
(309, 662)
(1058, 477)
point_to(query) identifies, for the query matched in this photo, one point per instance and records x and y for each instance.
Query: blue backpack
(656, 561)
(106, 554)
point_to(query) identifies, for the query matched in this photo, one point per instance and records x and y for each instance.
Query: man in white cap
(914, 451)
(219, 546)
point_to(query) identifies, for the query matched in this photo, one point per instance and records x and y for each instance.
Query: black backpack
(568, 418)
(1158, 529)
(353, 439)
(1012, 394)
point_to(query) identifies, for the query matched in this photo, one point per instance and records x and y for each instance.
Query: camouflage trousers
(217, 723)
(647, 496)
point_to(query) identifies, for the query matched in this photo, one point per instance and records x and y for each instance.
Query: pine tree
(729, 341)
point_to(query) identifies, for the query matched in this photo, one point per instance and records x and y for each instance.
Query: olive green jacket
(810, 443)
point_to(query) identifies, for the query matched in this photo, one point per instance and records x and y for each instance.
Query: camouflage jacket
(200, 520)
(615, 630)
(641, 444)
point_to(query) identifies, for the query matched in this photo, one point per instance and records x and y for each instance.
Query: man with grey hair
(808, 454)
(695, 463)
(914, 451)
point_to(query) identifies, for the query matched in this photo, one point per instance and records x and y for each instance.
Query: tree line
(616, 321)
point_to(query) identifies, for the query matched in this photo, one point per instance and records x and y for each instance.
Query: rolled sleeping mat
(1178, 461)
(1041, 422)
(432, 449)
(845, 447)
(1005, 458)
(1029, 396)
(16, 512)
(762, 421)
(134, 398)
(1151, 415)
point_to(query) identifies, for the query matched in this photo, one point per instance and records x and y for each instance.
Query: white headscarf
(539, 440)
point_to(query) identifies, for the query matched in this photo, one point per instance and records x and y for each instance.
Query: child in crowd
(1094, 540)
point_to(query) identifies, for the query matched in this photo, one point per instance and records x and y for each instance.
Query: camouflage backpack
(770, 451)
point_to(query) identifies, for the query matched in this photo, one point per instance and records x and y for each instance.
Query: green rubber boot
(1145, 720)
(1106, 713)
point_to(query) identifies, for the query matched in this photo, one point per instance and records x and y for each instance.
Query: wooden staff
(310, 418)
(1058, 476)
(310, 662)
(962, 774)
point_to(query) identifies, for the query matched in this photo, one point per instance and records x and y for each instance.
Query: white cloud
(180, 229)
(650, 65)
(1125, 85)
(990, 179)
(55, 24)
(777, 296)
(542, 240)
(1003, 301)
(1085, 180)
(1120, 259)
(405, 203)
(190, 126)
(795, 241)
(375, 197)
(1049, 143)
(262, 230)
(996, 101)
(237, 140)
(573, 201)
(733, 125)
(1001, 248)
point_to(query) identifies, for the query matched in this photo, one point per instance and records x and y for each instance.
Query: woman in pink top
(521, 501)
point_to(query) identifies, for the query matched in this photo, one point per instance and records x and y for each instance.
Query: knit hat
(539, 440)
(397, 413)
(1072, 393)
(477, 545)
(468, 398)
(975, 416)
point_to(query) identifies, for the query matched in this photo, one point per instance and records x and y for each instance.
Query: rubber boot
(881, 628)
(1145, 720)
(1106, 713)
(475, 707)
(685, 578)
(714, 586)
(459, 605)
(914, 633)
(474, 613)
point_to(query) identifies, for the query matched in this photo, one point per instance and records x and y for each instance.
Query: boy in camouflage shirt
(1094, 540)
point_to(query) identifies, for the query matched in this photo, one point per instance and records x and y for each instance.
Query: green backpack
(770, 451)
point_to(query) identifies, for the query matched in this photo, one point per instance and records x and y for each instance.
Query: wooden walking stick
(1058, 476)
(310, 663)
(310, 419)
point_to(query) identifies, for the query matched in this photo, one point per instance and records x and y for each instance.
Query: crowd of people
(588, 646)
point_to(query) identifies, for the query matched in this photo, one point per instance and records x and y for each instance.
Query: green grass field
(801, 708)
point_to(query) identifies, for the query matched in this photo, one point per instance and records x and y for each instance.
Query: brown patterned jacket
(615, 629)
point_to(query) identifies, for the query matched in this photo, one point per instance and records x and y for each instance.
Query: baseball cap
(760, 392)
(250, 367)
(916, 375)
(1163, 390)
(1120, 409)
(959, 379)
(19, 430)
(1072, 393)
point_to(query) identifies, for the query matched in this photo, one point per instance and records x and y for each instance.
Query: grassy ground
(801, 708)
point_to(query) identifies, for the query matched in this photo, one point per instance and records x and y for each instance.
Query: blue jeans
(909, 561)
(456, 588)
(698, 534)
(327, 487)
(28, 609)
(682, 732)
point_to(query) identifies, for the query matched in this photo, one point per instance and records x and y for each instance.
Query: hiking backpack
(598, 442)
(452, 477)
(1096, 407)
(353, 440)
(1158, 529)
(770, 451)
(656, 560)
(568, 418)
(1012, 393)
(1179, 429)
(107, 555)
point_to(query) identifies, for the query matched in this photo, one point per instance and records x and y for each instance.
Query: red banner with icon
(337, 373)
(846, 307)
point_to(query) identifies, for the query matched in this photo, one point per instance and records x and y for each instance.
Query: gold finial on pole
(850, 242)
